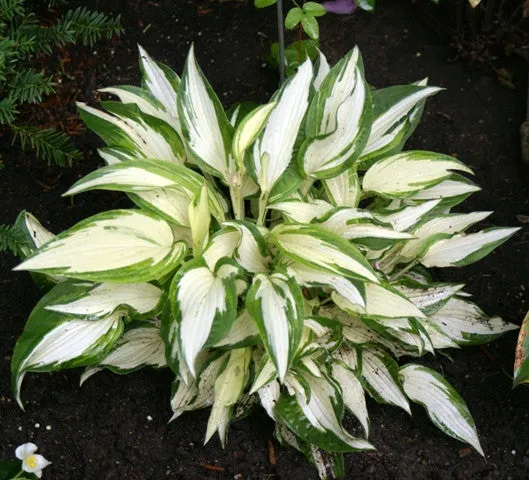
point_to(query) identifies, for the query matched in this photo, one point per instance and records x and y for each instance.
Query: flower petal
(25, 449)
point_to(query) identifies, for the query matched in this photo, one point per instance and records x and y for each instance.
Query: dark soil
(116, 427)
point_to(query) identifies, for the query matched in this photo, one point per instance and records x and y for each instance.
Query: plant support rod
(281, 39)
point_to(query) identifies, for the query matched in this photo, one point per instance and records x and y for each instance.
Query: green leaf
(293, 17)
(127, 246)
(275, 303)
(444, 405)
(264, 3)
(315, 9)
(310, 25)
(9, 468)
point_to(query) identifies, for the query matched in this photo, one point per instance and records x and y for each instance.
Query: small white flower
(31, 462)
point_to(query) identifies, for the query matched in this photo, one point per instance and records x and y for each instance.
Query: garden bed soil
(115, 427)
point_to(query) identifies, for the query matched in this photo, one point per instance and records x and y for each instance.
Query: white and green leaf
(380, 373)
(273, 149)
(461, 250)
(444, 405)
(338, 120)
(275, 303)
(408, 172)
(318, 248)
(127, 246)
(205, 127)
(204, 305)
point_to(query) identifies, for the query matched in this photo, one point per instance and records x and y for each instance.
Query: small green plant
(302, 16)
(23, 38)
(277, 257)
(29, 467)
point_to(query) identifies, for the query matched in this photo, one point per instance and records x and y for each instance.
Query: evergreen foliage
(23, 36)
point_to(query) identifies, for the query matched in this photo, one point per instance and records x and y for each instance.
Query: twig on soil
(271, 453)
(213, 468)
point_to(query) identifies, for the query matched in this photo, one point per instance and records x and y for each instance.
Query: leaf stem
(306, 185)
(237, 202)
(263, 201)
(407, 268)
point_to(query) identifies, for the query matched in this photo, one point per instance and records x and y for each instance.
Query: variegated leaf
(33, 236)
(228, 388)
(243, 331)
(302, 212)
(381, 301)
(461, 250)
(204, 304)
(99, 300)
(409, 172)
(127, 127)
(273, 149)
(205, 127)
(406, 217)
(448, 224)
(311, 277)
(451, 191)
(322, 69)
(521, 357)
(138, 176)
(161, 81)
(466, 324)
(139, 347)
(432, 298)
(144, 99)
(275, 303)
(317, 418)
(353, 393)
(199, 219)
(380, 372)
(344, 190)
(318, 248)
(444, 405)
(53, 340)
(197, 393)
(396, 112)
(338, 120)
(250, 250)
(127, 246)
(248, 130)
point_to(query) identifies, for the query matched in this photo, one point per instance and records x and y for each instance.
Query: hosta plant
(275, 257)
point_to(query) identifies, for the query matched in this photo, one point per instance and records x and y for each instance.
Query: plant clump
(276, 256)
